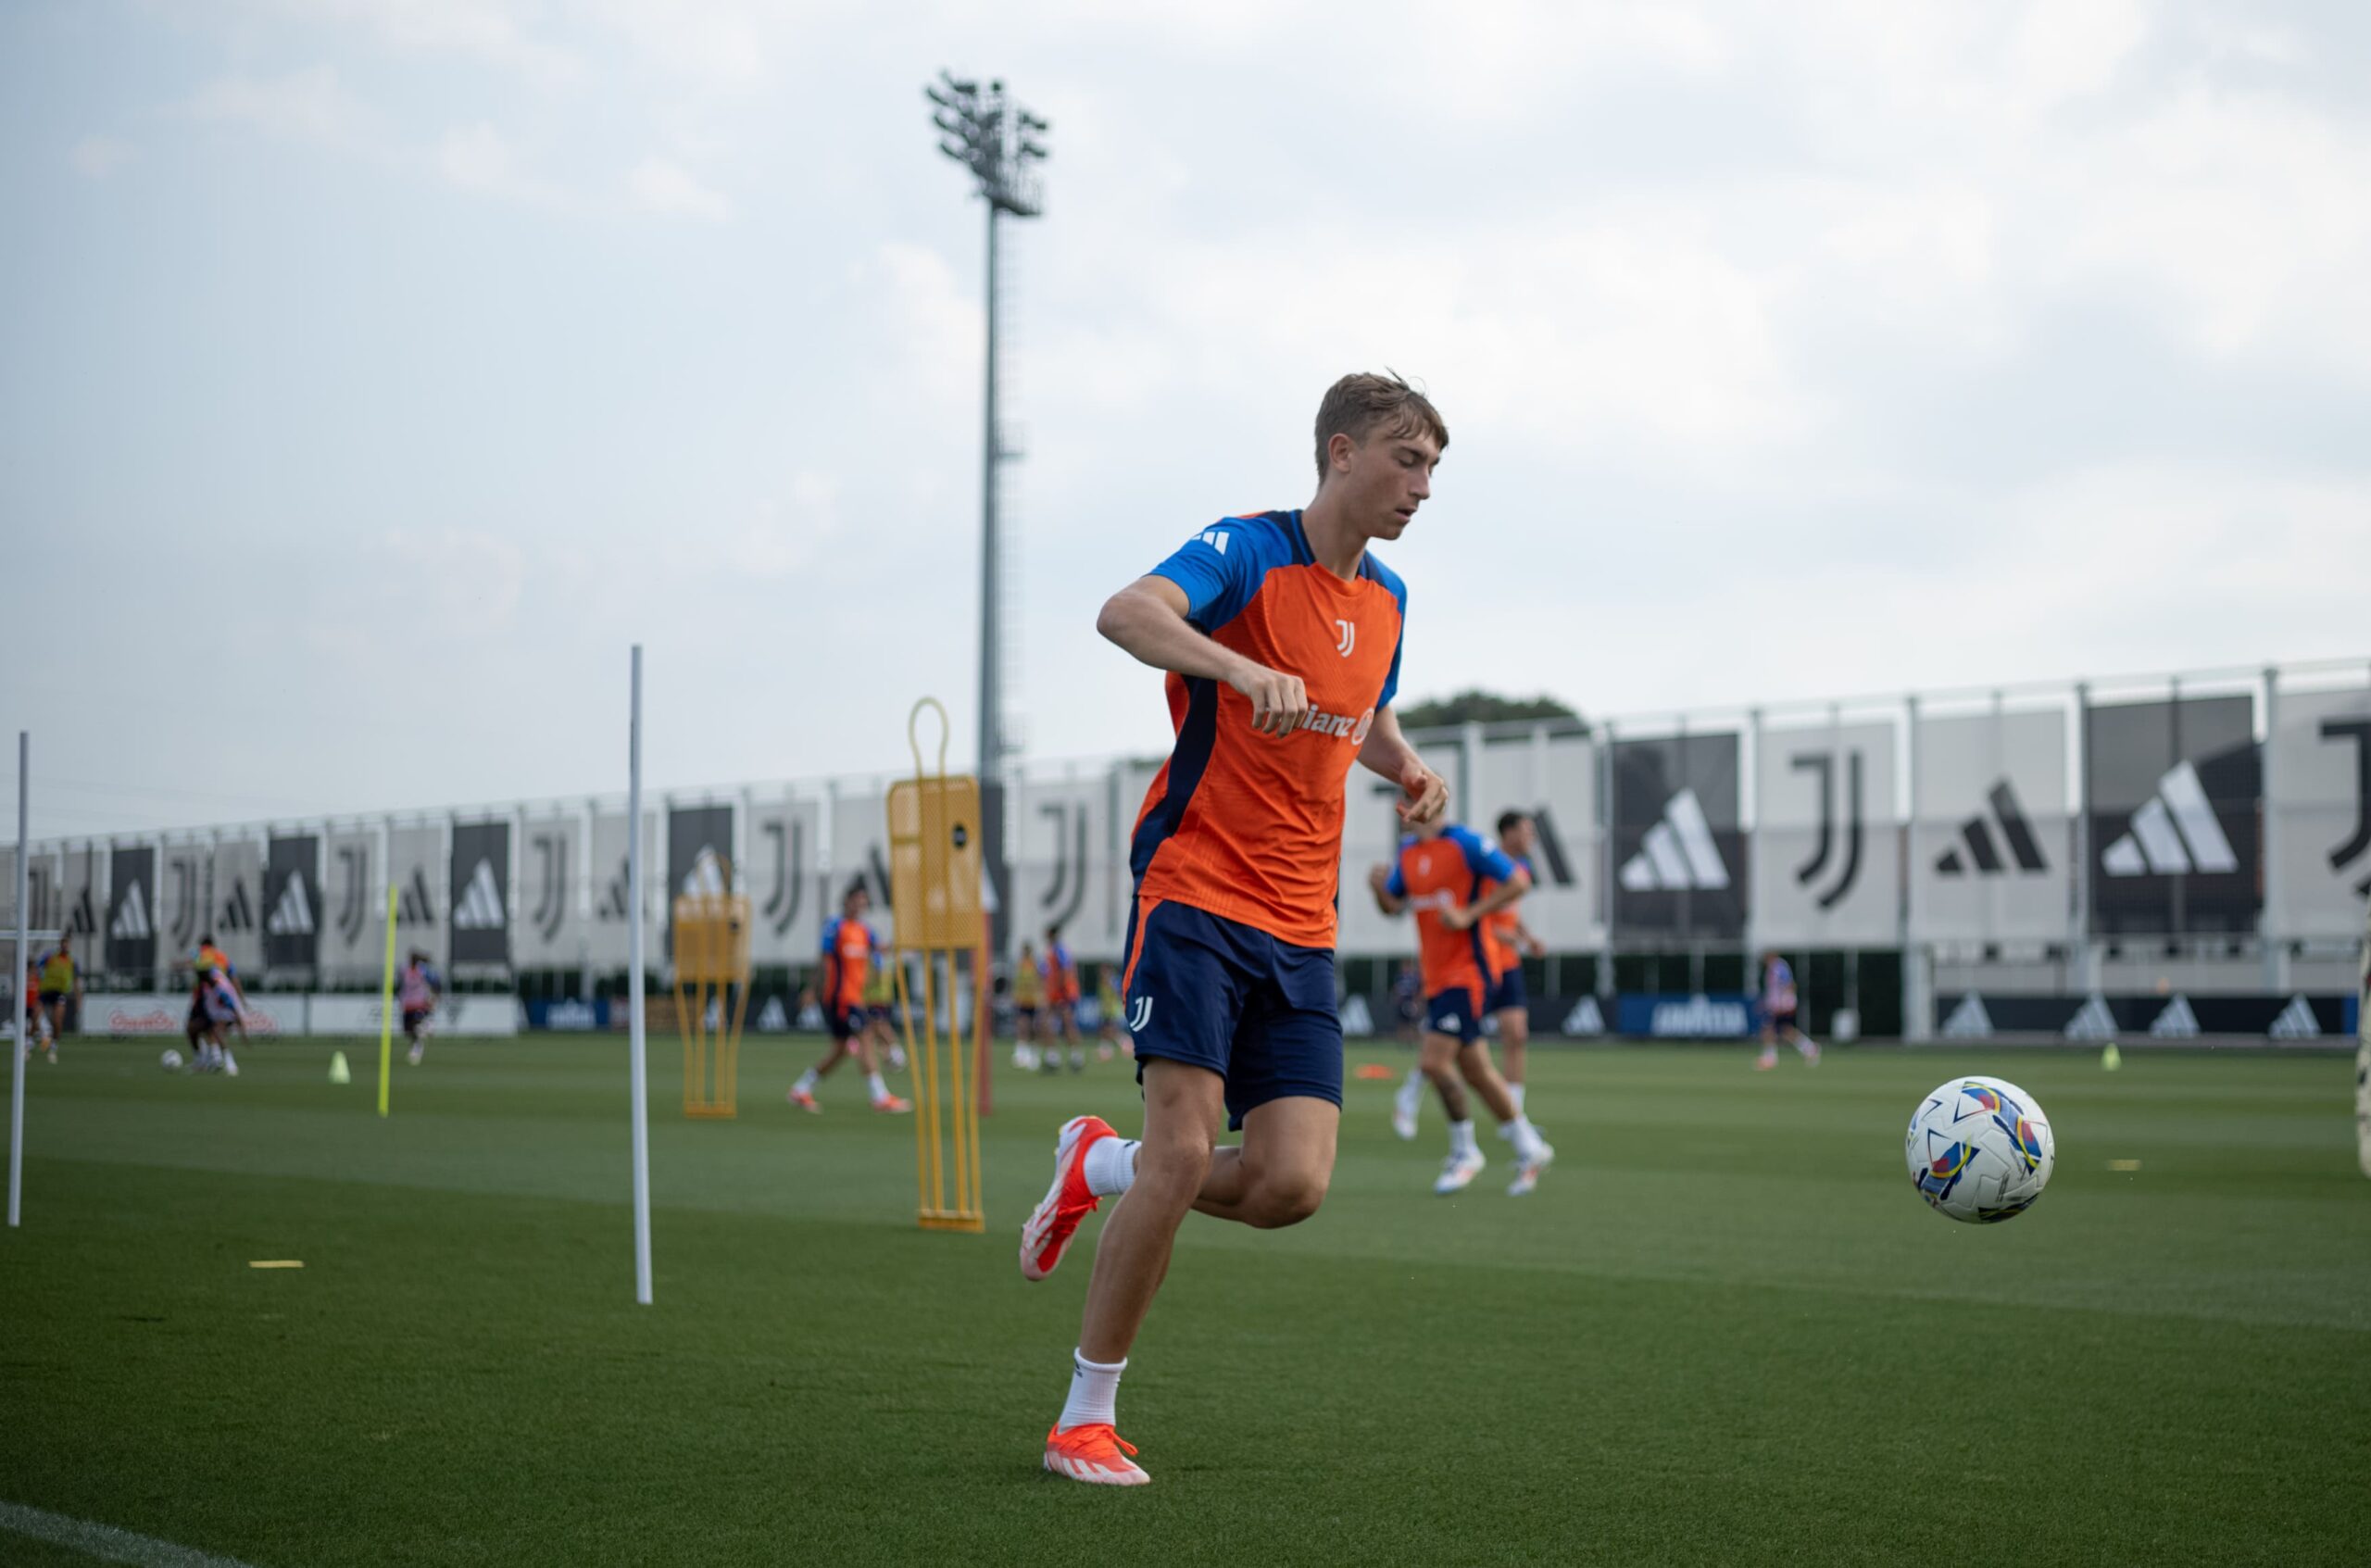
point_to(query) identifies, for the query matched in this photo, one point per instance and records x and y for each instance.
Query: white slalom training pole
(17, 988)
(641, 1089)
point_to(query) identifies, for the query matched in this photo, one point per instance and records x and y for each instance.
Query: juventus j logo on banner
(790, 873)
(2352, 851)
(1824, 764)
(354, 904)
(1140, 1014)
(1068, 890)
(551, 899)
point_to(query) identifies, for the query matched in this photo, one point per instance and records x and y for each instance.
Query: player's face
(1517, 839)
(1384, 481)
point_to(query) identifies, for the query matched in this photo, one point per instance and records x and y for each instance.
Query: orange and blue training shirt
(1247, 826)
(849, 948)
(1450, 870)
(1060, 974)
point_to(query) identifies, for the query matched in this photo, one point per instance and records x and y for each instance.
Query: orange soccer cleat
(1095, 1454)
(1046, 1233)
(890, 1105)
(804, 1100)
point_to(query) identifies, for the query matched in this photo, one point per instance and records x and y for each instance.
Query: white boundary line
(105, 1542)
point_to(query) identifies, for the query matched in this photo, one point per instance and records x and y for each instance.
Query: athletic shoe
(1095, 1454)
(1811, 1051)
(1046, 1233)
(1403, 1110)
(890, 1105)
(1457, 1173)
(1765, 1061)
(417, 1054)
(1527, 1171)
(230, 1065)
(804, 1099)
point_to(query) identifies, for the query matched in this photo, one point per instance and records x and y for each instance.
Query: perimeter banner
(608, 938)
(2173, 792)
(1553, 781)
(238, 902)
(1062, 872)
(1996, 831)
(784, 879)
(132, 909)
(1826, 850)
(1679, 855)
(2322, 769)
(549, 931)
(292, 892)
(354, 904)
(480, 887)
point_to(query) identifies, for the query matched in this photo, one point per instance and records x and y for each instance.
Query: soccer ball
(1979, 1149)
(172, 1060)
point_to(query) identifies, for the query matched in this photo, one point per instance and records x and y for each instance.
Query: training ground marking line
(105, 1542)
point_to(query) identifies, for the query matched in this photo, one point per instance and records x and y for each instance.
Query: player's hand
(1534, 947)
(1425, 797)
(1379, 878)
(1457, 917)
(1279, 702)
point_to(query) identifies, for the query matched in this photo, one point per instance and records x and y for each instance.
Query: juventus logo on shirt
(1347, 639)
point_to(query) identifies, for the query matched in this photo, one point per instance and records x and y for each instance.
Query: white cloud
(657, 185)
(98, 157)
(494, 30)
(310, 104)
(482, 159)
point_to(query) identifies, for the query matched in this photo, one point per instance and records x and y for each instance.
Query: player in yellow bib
(1028, 1002)
(58, 984)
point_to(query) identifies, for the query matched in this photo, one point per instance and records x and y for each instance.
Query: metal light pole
(1001, 144)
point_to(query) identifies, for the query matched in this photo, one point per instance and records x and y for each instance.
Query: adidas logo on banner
(2296, 1022)
(2092, 1020)
(479, 908)
(1679, 852)
(2154, 846)
(2177, 1022)
(1356, 1019)
(294, 914)
(237, 914)
(1968, 1020)
(1976, 836)
(1584, 1018)
(130, 923)
(811, 1018)
(773, 1018)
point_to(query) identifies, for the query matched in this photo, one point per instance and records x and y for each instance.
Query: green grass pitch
(1724, 1330)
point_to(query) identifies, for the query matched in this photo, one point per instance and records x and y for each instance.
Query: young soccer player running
(1509, 941)
(1028, 1001)
(418, 989)
(1062, 1003)
(59, 984)
(1778, 1014)
(849, 951)
(1280, 634)
(37, 1032)
(1455, 881)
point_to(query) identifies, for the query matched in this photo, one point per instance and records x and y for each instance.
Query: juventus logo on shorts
(1140, 1014)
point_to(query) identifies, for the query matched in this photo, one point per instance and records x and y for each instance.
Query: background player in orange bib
(850, 950)
(1280, 634)
(1455, 880)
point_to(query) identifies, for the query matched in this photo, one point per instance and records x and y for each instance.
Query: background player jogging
(849, 951)
(1455, 880)
(1281, 638)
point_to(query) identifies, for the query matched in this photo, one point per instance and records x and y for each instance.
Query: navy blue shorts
(1506, 991)
(847, 1022)
(1451, 1012)
(1218, 994)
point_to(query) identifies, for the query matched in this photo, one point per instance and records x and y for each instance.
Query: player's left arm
(1424, 794)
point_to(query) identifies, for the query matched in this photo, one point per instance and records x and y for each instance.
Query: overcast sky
(375, 371)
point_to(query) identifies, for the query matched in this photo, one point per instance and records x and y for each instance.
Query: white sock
(1806, 1045)
(873, 1086)
(1415, 1083)
(1111, 1166)
(806, 1085)
(1095, 1388)
(1461, 1138)
(1516, 1090)
(1523, 1135)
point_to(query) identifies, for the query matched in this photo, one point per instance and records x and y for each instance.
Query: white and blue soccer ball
(1979, 1150)
(172, 1060)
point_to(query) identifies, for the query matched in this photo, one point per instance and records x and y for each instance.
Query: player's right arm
(1390, 890)
(1166, 619)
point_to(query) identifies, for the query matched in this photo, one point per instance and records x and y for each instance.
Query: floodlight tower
(1001, 144)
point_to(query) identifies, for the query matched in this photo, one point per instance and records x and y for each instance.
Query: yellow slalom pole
(387, 1002)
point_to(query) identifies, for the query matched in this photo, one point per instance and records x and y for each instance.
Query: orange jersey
(1061, 975)
(1450, 871)
(848, 948)
(1242, 825)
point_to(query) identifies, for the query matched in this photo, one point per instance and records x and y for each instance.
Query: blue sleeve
(831, 936)
(1390, 579)
(1483, 856)
(1397, 885)
(1223, 566)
